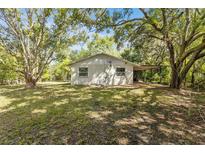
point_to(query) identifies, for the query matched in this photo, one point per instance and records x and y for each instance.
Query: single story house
(104, 69)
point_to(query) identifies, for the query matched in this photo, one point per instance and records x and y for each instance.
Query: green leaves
(8, 68)
(33, 36)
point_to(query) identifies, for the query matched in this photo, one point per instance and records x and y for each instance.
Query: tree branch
(201, 55)
(150, 21)
(192, 50)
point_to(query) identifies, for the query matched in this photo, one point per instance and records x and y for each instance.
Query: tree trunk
(175, 80)
(160, 74)
(185, 82)
(30, 81)
(193, 77)
(31, 84)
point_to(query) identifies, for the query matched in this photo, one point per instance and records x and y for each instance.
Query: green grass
(58, 113)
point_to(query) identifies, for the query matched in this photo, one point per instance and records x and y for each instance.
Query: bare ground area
(58, 113)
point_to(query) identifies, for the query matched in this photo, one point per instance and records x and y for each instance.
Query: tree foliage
(180, 31)
(171, 38)
(34, 36)
(97, 44)
(7, 68)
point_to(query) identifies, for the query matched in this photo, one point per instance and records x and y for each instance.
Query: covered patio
(138, 70)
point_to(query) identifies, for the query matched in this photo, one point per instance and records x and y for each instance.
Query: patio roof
(145, 67)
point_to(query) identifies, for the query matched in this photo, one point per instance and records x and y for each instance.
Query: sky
(136, 14)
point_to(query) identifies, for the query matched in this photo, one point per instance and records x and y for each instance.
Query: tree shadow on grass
(64, 114)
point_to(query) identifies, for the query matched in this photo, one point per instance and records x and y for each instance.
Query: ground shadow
(64, 114)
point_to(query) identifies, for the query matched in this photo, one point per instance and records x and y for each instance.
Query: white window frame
(118, 72)
(82, 76)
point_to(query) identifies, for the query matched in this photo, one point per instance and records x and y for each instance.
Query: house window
(120, 71)
(83, 72)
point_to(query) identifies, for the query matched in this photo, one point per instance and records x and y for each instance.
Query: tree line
(38, 44)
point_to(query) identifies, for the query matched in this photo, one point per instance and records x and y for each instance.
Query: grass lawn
(58, 113)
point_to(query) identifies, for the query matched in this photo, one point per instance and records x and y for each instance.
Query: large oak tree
(181, 31)
(34, 36)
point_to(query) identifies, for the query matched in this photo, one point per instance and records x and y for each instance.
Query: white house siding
(101, 72)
